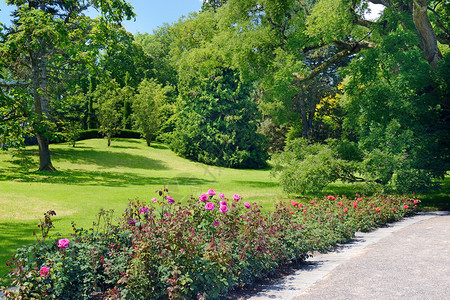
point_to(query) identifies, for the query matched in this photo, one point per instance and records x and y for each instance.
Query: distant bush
(203, 250)
(95, 134)
(89, 134)
(128, 134)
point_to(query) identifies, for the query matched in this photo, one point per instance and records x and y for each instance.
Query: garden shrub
(89, 134)
(202, 250)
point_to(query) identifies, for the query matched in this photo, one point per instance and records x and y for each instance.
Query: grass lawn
(92, 176)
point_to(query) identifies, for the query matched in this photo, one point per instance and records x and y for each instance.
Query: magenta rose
(247, 205)
(203, 197)
(144, 210)
(211, 192)
(44, 271)
(236, 197)
(170, 200)
(63, 243)
(216, 223)
(209, 206)
(155, 200)
(223, 203)
(223, 208)
(221, 196)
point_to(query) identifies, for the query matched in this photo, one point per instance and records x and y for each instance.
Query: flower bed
(202, 250)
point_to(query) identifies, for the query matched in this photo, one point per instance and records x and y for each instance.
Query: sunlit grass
(92, 176)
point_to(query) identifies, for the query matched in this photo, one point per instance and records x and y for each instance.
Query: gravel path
(409, 259)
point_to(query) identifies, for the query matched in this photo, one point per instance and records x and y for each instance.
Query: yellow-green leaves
(330, 20)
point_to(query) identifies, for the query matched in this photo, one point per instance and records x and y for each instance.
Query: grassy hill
(92, 176)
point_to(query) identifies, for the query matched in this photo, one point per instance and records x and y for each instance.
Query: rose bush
(164, 249)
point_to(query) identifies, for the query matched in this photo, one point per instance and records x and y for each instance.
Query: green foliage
(400, 127)
(308, 168)
(110, 106)
(330, 20)
(217, 124)
(147, 105)
(15, 117)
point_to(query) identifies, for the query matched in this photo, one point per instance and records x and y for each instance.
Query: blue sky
(154, 13)
(150, 13)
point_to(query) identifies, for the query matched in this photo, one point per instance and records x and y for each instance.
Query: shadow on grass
(13, 235)
(158, 146)
(108, 159)
(82, 177)
(437, 200)
(349, 190)
(258, 184)
(123, 147)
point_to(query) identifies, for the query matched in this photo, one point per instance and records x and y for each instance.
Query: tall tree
(110, 107)
(47, 41)
(147, 106)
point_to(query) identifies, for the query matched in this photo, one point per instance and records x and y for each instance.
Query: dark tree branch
(304, 7)
(443, 38)
(386, 3)
(347, 49)
(428, 40)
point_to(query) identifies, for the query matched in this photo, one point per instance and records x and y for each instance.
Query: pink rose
(223, 203)
(216, 223)
(416, 201)
(300, 205)
(406, 206)
(393, 209)
(304, 210)
(204, 197)
(312, 202)
(209, 206)
(294, 203)
(44, 271)
(378, 210)
(340, 203)
(221, 196)
(236, 197)
(345, 210)
(247, 205)
(63, 243)
(155, 200)
(223, 208)
(144, 210)
(359, 199)
(355, 204)
(211, 192)
(170, 200)
(331, 198)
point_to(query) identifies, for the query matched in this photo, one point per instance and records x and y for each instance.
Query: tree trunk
(148, 139)
(45, 163)
(109, 139)
(41, 106)
(428, 40)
